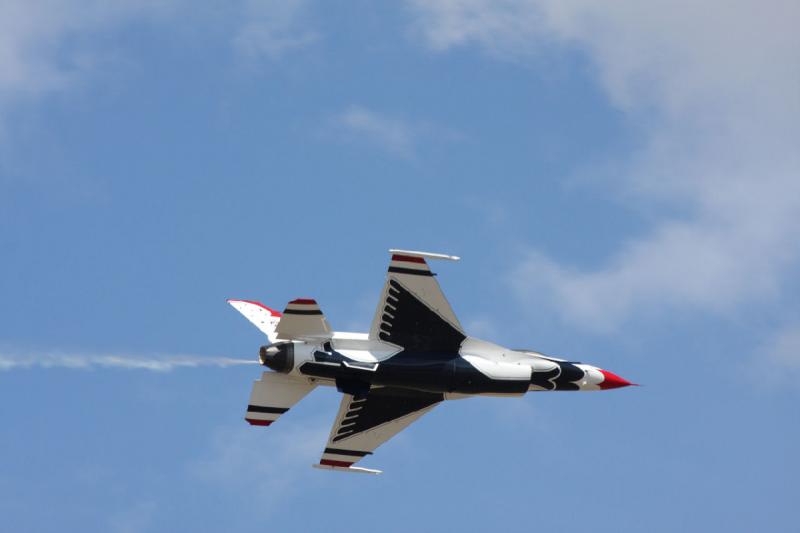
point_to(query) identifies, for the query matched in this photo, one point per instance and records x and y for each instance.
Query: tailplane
(303, 319)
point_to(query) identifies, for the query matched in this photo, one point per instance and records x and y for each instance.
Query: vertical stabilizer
(259, 315)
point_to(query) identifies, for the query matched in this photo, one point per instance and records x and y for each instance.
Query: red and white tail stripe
(302, 319)
(409, 264)
(302, 306)
(262, 415)
(341, 457)
(272, 396)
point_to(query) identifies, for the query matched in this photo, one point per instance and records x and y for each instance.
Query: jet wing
(273, 395)
(413, 313)
(363, 424)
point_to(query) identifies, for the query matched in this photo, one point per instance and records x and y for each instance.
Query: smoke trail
(164, 363)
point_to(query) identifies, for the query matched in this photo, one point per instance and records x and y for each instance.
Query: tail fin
(260, 316)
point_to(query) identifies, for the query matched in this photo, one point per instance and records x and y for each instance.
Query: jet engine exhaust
(279, 356)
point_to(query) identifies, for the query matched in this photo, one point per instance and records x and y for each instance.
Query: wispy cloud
(504, 26)
(270, 468)
(394, 134)
(390, 133)
(715, 87)
(781, 352)
(784, 348)
(164, 363)
(273, 27)
(137, 517)
(482, 327)
(52, 46)
(47, 46)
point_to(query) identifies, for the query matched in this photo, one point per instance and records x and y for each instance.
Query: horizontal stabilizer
(303, 319)
(273, 395)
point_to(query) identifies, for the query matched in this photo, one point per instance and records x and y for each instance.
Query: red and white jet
(415, 356)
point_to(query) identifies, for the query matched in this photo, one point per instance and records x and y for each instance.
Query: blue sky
(622, 184)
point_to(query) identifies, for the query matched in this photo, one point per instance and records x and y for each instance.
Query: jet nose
(612, 381)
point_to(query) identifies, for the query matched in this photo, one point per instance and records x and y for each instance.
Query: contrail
(164, 363)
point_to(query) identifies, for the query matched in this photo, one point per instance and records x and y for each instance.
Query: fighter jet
(415, 356)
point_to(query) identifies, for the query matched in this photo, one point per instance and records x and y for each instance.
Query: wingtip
(351, 469)
(428, 255)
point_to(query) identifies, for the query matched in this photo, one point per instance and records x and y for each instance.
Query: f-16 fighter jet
(415, 356)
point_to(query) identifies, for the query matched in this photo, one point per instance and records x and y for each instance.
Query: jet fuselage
(354, 363)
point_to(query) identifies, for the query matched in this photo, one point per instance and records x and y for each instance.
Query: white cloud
(482, 327)
(136, 518)
(164, 363)
(44, 44)
(503, 26)
(723, 83)
(272, 27)
(267, 467)
(784, 348)
(49, 46)
(781, 350)
(393, 134)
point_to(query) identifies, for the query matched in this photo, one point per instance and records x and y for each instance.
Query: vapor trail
(157, 363)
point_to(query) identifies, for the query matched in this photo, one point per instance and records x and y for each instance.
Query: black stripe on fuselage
(339, 451)
(412, 271)
(302, 312)
(262, 409)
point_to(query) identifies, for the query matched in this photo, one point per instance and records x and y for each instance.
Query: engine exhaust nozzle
(279, 356)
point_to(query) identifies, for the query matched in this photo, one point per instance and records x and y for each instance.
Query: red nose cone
(612, 381)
